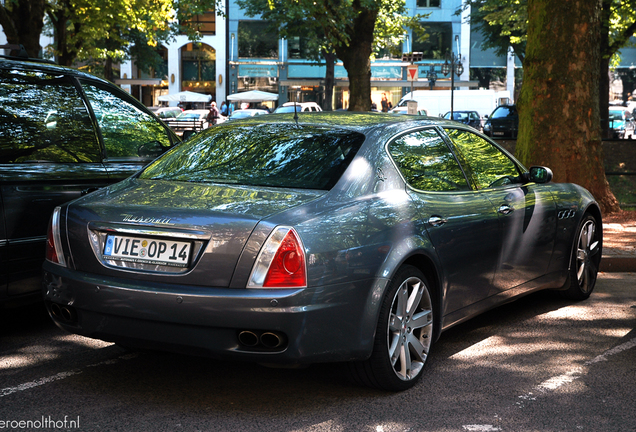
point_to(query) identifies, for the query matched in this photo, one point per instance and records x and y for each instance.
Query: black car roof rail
(21, 54)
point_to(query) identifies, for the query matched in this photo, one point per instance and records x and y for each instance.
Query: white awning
(185, 96)
(253, 96)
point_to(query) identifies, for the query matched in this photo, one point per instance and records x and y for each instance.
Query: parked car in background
(330, 237)
(63, 133)
(289, 107)
(189, 122)
(403, 109)
(245, 113)
(503, 122)
(470, 118)
(166, 113)
(621, 122)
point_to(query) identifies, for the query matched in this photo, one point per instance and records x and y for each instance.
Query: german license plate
(147, 250)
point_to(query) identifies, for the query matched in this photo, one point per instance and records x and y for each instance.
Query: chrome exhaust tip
(271, 340)
(248, 338)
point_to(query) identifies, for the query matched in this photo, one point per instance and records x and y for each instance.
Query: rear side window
(276, 155)
(127, 131)
(43, 118)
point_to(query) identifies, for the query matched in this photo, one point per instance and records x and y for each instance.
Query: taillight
(281, 262)
(54, 252)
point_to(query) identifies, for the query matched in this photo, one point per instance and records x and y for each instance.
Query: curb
(617, 264)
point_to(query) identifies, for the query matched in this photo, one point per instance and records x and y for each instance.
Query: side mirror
(539, 174)
(152, 149)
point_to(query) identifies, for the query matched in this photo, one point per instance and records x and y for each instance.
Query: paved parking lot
(539, 364)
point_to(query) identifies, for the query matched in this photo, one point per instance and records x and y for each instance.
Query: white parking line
(480, 428)
(62, 375)
(574, 374)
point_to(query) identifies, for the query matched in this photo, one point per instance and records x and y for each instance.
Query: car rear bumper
(320, 324)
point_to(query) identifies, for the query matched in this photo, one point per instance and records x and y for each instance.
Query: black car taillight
(54, 252)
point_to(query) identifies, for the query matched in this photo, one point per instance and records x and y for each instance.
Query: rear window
(43, 118)
(504, 111)
(274, 155)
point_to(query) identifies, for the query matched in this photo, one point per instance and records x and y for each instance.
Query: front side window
(427, 163)
(43, 118)
(127, 131)
(261, 155)
(489, 166)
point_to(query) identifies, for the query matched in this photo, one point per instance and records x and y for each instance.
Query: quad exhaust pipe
(258, 339)
(65, 314)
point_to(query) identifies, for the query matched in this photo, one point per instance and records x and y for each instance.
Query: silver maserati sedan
(331, 237)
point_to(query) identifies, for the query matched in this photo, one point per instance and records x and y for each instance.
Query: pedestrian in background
(214, 114)
(385, 103)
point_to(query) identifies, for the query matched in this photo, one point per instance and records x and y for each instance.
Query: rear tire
(403, 335)
(586, 257)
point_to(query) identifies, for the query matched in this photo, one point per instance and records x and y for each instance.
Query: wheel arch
(428, 267)
(593, 209)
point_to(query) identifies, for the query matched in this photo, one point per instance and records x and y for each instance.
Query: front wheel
(586, 258)
(403, 335)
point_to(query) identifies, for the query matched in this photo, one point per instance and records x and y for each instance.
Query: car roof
(359, 121)
(45, 65)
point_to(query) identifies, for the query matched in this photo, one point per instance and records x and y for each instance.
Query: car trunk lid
(154, 230)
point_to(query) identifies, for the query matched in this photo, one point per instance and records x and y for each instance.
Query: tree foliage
(353, 29)
(99, 31)
(503, 23)
(22, 22)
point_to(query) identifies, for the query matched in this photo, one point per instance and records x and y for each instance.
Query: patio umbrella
(185, 96)
(253, 96)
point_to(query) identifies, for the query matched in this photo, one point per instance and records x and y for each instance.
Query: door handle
(437, 221)
(505, 209)
(89, 190)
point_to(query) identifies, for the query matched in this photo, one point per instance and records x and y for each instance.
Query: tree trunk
(22, 23)
(330, 61)
(65, 50)
(356, 57)
(559, 103)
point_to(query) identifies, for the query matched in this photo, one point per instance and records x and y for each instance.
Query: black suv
(63, 133)
(503, 122)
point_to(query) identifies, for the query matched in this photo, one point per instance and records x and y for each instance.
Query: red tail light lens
(54, 252)
(281, 262)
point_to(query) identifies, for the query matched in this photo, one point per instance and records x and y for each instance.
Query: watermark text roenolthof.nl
(42, 423)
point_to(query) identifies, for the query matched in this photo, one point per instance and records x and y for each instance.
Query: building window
(429, 3)
(204, 24)
(159, 68)
(256, 41)
(297, 47)
(198, 68)
(438, 42)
